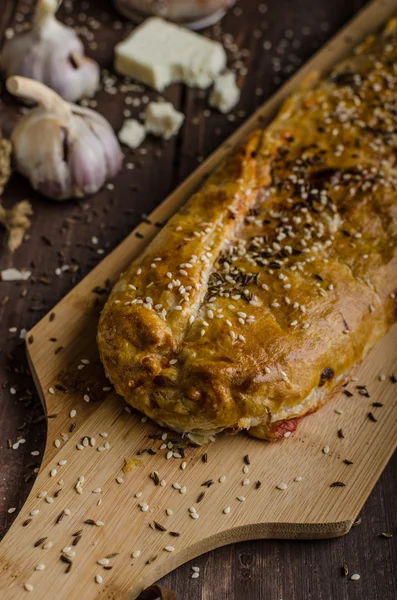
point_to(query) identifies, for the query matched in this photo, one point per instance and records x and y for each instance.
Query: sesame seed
(40, 567)
(34, 512)
(169, 548)
(245, 482)
(326, 450)
(297, 479)
(169, 512)
(53, 472)
(103, 561)
(226, 510)
(195, 575)
(72, 413)
(240, 498)
(222, 479)
(98, 579)
(281, 486)
(355, 577)
(28, 587)
(136, 554)
(194, 515)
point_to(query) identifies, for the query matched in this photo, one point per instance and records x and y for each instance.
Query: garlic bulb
(65, 151)
(52, 53)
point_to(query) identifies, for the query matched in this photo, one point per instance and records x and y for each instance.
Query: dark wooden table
(278, 36)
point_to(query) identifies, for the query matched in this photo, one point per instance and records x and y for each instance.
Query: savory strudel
(278, 275)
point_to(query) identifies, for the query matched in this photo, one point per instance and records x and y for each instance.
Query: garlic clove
(109, 143)
(63, 149)
(53, 54)
(87, 162)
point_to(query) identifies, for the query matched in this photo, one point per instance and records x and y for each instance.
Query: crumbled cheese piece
(226, 93)
(159, 53)
(12, 274)
(132, 133)
(162, 120)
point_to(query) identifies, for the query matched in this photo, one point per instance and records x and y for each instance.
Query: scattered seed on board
(169, 548)
(226, 510)
(281, 486)
(98, 579)
(136, 554)
(355, 577)
(326, 450)
(169, 512)
(298, 479)
(40, 567)
(103, 561)
(28, 587)
(222, 479)
(72, 413)
(195, 575)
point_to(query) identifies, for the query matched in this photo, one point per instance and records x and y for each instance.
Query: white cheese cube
(159, 53)
(225, 94)
(162, 120)
(132, 133)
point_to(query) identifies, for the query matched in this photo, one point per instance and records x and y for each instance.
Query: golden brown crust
(279, 274)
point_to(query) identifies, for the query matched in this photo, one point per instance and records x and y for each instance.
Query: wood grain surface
(251, 569)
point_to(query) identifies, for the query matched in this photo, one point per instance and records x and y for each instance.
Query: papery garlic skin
(53, 54)
(65, 151)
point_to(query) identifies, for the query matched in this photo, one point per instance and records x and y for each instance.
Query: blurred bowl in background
(195, 14)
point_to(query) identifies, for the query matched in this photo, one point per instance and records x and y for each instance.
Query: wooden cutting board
(83, 495)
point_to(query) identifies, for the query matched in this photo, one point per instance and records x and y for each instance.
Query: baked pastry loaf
(278, 275)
